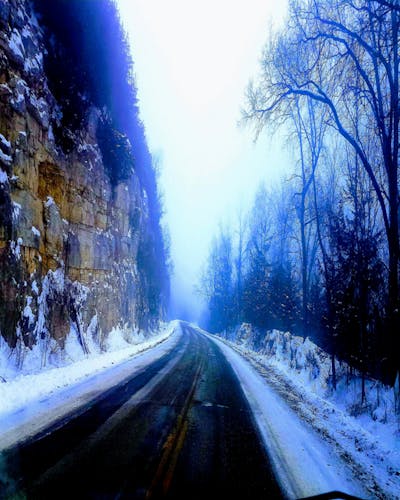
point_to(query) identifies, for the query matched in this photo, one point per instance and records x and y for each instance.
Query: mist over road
(180, 428)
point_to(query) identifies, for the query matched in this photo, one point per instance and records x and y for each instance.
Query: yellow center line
(173, 444)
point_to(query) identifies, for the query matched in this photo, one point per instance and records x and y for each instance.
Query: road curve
(181, 428)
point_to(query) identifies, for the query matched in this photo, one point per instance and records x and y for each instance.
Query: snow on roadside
(298, 372)
(303, 464)
(24, 388)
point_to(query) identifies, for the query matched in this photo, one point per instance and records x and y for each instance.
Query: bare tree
(310, 127)
(338, 52)
(240, 234)
(217, 282)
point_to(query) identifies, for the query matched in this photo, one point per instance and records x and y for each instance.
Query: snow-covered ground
(35, 397)
(295, 391)
(314, 444)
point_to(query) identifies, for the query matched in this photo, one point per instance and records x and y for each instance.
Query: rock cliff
(70, 237)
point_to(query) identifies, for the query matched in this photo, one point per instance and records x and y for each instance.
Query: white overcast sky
(193, 61)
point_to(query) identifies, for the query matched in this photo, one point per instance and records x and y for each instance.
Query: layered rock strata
(69, 239)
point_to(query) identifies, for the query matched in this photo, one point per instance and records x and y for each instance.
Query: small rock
(5, 160)
(39, 109)
(22, 140)
(18, 101)
(16, 48)
(5, 90)
(5, 145)
(18, 104)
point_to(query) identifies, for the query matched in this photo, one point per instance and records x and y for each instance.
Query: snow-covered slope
(365, 436)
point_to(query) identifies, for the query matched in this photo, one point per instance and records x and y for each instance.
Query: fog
(193, 61)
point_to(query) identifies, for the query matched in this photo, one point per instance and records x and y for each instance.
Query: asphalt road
(181, 428)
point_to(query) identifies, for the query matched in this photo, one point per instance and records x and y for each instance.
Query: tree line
(319, 255)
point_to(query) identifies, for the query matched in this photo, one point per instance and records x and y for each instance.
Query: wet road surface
(181, 428)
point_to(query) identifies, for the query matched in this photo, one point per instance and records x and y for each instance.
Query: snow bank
(19, 389)
(366, 435)
(310, 368)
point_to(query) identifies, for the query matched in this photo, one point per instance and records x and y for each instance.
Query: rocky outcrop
(69, 239)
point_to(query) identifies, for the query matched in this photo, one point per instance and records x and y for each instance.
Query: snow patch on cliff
(5, 145)
(16, 46)
(5, 159)
(15, 247)
(3, 177)
(49, 202)
(16, 211)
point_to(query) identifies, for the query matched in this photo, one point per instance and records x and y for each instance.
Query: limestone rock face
(68, 238)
